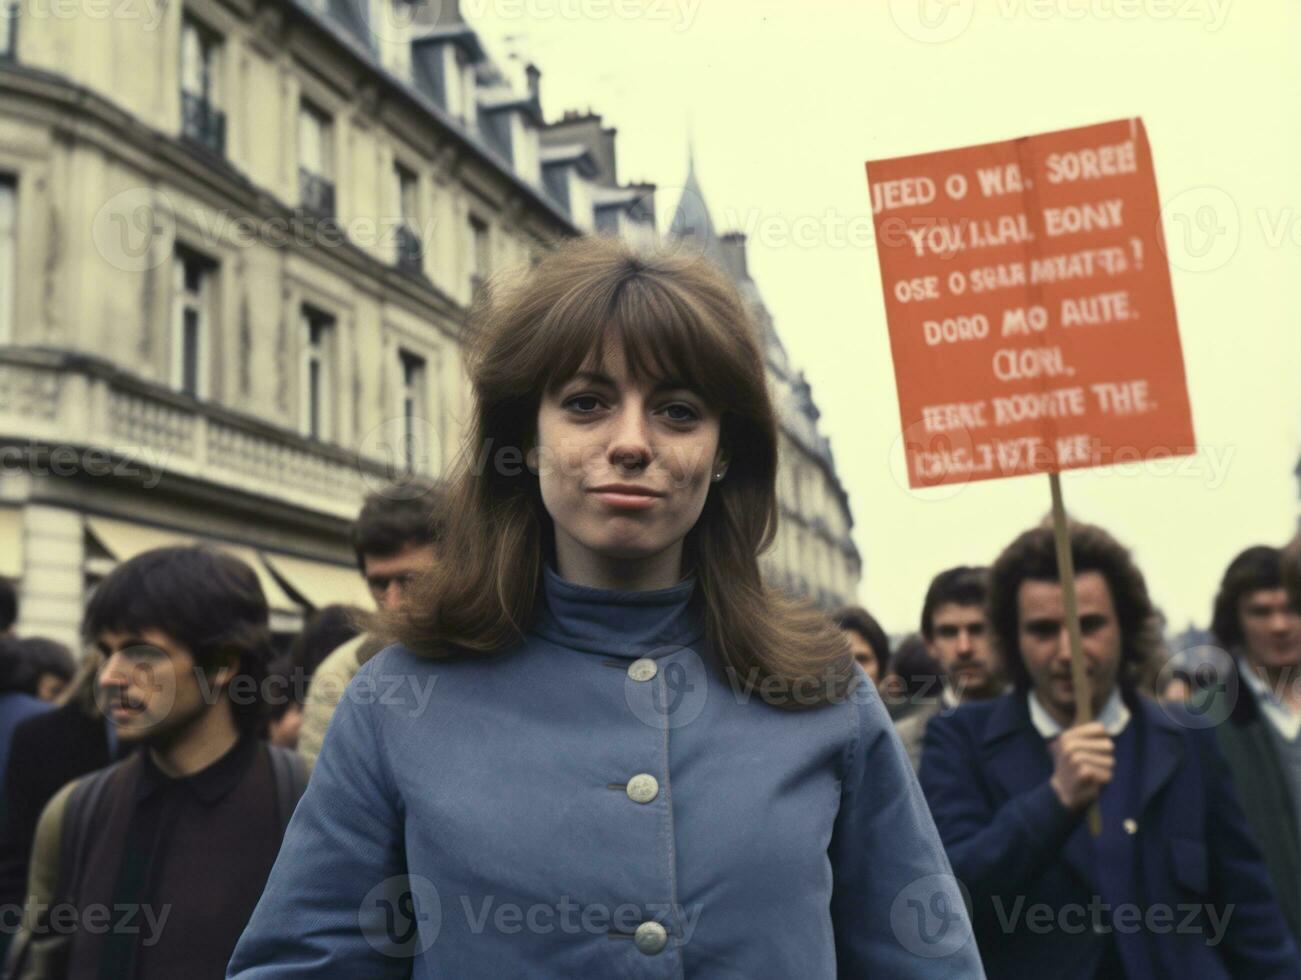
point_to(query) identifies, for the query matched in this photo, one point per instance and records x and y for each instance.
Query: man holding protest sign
(1032, 326)
(1174, 884)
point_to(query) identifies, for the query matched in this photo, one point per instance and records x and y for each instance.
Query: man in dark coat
(48, 751)
(1255, 711)
(1174, 886)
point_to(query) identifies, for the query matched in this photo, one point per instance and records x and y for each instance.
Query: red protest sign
(1028, 297)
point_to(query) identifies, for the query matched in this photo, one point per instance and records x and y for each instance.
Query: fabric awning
(123, 540)
(321, 583)
(11, 542)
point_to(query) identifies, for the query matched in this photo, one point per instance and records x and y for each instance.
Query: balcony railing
(203, 123)
(52, 399)
(8, 30)
(315, 193)
(411, 256)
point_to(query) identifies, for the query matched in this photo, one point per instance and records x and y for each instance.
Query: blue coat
(565, 810)
(1177, 844)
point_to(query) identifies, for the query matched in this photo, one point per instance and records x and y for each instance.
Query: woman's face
(624, 466)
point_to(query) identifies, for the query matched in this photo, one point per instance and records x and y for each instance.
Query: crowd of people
(1191, 756)
(189, 800)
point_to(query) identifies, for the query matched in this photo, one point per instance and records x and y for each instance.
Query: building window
(410, 256)
(415, 414)
(317, 373)
(202, 120)
(315, 161)
(194, 286)
(8, 256)
(9, 28)
(480, 256)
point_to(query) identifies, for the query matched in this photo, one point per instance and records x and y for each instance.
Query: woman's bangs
(665, 339)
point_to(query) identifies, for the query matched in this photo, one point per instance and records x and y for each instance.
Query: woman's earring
(718, 477)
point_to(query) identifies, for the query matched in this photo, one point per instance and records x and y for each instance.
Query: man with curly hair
(1174, 884)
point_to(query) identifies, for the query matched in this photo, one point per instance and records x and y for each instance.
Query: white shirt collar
(1279, 713)
(1114, 716)
(948, 699)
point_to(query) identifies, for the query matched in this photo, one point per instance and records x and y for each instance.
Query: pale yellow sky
(787, 100)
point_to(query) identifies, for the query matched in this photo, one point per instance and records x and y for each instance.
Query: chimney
(534, 76)
(734, 255)
(448, 12)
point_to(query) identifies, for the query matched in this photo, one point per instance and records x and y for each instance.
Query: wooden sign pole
(1079, 675)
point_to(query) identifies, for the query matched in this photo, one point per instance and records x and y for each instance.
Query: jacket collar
(1017, 758)
(621, 624)
(209, 784)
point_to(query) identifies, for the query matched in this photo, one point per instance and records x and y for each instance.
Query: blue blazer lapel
(1017, 760)
(1163, 748)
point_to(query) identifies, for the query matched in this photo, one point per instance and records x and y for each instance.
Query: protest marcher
(51, 663)
(181, 834)
(18, 686)
(605, 627)
(48, 751)
(285, 706)
(1174, 885)
(867, 641)
(394, 540)
(324, 631)
(1292, 571)
(8, 608)
(957, 637)
(913, 678)
(1255, 707)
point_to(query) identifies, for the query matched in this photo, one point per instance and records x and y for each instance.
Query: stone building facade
(238, 240)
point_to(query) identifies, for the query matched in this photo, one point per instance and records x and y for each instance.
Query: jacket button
(650, 938)
(1130, 825)
(643, 669)
(642, 788)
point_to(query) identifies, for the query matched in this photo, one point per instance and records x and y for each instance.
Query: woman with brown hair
(602, 745)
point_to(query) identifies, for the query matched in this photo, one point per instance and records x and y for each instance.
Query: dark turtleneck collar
(620, 624)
